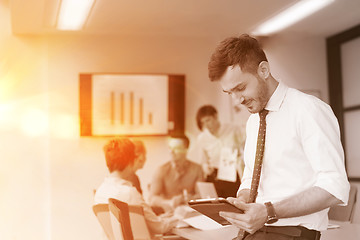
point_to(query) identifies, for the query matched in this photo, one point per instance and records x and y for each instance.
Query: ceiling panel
(180, 17)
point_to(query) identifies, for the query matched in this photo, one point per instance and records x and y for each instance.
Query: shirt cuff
(336, 186)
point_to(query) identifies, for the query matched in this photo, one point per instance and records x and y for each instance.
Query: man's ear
(264, 70)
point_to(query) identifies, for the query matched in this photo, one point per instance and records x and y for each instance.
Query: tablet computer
(212, 206)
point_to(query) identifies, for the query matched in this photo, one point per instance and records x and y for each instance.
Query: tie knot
(263, 114)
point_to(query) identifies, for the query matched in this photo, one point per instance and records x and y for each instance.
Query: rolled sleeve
(335, 185)
(322, 145)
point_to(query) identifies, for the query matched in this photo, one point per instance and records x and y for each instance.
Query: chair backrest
(102, 214)
(138, 223)
(120, 220)
(345, 213)
(134, 217)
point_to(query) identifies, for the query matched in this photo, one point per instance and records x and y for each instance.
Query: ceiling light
(289, 16)
(73, 14)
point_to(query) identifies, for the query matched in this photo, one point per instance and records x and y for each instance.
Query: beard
(261, 97)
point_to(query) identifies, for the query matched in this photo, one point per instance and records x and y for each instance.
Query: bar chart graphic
(129, 104)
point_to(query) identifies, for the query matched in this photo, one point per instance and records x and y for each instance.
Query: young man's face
(245, 88)
(211, 123)
(178, 150)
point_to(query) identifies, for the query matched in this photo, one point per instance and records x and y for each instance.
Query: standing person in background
(217, 145)
(140, 159)
(120, 160)
(174, 182)
(294, 160)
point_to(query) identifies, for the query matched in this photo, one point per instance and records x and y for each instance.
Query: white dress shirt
(116, 187)
(302, 150)
(208, 147)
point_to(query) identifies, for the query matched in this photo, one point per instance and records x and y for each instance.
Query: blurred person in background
(120, 160)
(217, 145)
(140, 159)
(174, 183)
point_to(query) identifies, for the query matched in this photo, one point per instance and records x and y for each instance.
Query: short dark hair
(119, 153)
(244, 51)
(204, 111)
(183, 137)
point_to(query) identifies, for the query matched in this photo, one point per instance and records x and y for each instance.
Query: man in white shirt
(174, 182)
(219, 146)
(303, 171)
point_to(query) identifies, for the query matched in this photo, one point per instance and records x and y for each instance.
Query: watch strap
(272, 217)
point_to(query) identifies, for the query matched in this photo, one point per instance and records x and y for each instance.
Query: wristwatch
(271, 218)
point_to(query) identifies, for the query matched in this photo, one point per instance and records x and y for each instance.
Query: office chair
(136, 221)
(345, 213)
(102, 214)
(120, 220)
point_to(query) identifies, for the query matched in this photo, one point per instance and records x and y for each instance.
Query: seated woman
(120, 160)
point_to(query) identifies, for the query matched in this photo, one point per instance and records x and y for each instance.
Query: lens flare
(34, 122)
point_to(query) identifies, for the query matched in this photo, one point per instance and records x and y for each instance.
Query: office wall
(48, 173)
(350, 82)
(24, 171)
(77, 164)
(299, 61)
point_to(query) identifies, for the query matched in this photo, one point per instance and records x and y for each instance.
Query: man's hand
(177, 200)
(243, 195)
(207, 169)
(253, 218)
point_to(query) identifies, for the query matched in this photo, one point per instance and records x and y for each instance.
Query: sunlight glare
(64, 126)
(34, 122)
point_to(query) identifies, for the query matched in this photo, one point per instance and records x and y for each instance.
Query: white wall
(57, 171)
(24, 171)
(351, 85)
(299, 61)
(77, 164)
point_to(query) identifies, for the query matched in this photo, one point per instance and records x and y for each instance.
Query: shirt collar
(115, 176)
(209, 134)
(277, 98)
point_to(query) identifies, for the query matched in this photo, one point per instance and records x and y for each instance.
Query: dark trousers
(224, 188)
(284, 233)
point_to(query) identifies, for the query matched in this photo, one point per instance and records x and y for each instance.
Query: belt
(294, 231)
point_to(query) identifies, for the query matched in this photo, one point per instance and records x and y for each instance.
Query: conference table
(228, 232)
(345, 231)
(338, 231)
